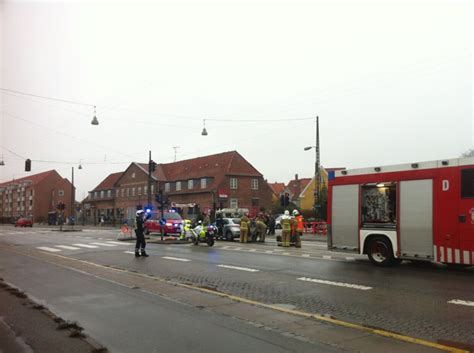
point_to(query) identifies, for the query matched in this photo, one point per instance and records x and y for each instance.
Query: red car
(24, 222)
(173, 225)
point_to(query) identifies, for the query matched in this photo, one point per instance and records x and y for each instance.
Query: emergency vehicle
(418, 211)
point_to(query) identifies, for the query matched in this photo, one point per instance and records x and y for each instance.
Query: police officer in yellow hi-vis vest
(244, 229)
(286, 229)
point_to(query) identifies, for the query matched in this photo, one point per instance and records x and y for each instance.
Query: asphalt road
(427, 302)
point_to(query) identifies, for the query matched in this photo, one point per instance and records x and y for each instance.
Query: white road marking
(350, 258)
(237, 248)
(225, 247)
(285, 253)
(45, 248)
(86, 246)
(87, 237)
(269, 252)
(129, 252)
(252, 250)
(239, 268)
(67, 247)
(103, 244)
(327, 257)
(119, 243)
(305, 255)
(461, 302)
(175, 258)
(338, 284)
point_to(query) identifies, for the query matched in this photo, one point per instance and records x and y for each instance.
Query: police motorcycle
(204, 234)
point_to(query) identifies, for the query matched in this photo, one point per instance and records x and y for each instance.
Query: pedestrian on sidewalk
(140, 244)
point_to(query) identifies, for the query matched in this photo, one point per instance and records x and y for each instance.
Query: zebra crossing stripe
(45, 248)
(86, 246)
(67, 247)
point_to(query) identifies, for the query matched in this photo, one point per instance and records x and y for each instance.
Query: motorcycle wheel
(210, 242)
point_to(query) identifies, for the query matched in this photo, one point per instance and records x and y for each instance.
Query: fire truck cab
(418, 211)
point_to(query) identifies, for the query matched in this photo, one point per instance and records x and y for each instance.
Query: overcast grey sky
(390, 80)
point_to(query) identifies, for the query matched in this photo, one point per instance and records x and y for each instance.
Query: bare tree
(468, 153)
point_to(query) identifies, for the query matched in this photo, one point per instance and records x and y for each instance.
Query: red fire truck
(419, 211)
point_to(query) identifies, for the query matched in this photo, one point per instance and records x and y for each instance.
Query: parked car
(173, 223)
(278, 222)
(24, 222)
(228, 228)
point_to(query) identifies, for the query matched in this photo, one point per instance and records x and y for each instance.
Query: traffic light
(287, 199)
(282, 200)
(152, 166)
(28, 165)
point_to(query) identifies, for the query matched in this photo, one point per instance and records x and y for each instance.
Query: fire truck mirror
(445, 185)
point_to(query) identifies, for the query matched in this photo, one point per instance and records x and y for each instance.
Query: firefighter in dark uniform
(140, 245)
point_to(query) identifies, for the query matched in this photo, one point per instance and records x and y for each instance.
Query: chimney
(296, 177)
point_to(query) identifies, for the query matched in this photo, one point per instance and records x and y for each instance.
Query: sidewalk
(26, 326)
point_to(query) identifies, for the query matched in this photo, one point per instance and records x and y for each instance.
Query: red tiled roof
(35, 178)
(108, 183)
(216, 165)
(277, 187)
(296, 186)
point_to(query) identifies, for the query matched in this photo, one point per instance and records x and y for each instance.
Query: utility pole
(149, 179)
(317, 185)
(73, 196)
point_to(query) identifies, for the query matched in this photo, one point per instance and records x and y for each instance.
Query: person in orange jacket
(299, 227)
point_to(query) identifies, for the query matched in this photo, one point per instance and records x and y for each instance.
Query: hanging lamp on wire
(204, 131)
(80, 164)
(2, 162)
(94, 119)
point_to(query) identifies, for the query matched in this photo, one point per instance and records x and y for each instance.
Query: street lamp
(316, 170)
(204, 131)
(94, 119)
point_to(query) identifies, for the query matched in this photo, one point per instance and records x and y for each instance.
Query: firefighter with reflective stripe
(244, 228)
(286, 229)
(140, 244)
(299, 226)
(261, 229)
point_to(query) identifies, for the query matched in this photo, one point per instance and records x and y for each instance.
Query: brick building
(224, 180)
(34, 196)
(216, 181)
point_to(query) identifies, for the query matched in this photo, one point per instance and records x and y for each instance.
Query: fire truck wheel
(380, 252)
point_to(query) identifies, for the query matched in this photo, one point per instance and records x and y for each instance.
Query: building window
(128, 192)
(190, 184)
(60, 192)
(122, 192)
(233, 183)
(178, 185)
(152, 189)
(145, 190)
(203, 183)
(109, 193)
(31, 203)
(234, 203)
(117, 193)
(167, 186)
(102, 194)
(255, 201)
(96, 195)
(139, 190)
(467, 183)
(254, 184)
(133, 191)
(133, 175)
